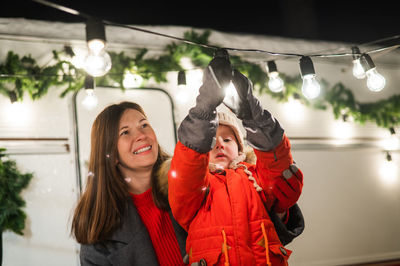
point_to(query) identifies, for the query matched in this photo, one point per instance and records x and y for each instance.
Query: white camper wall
(351, 213)
(40, 145)
(38, 136)
(52, 193)
(351, 209)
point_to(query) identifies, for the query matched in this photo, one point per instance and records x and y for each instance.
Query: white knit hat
(230, 120)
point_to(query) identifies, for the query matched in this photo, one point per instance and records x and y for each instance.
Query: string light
(13, 97)
(388, 156)
(90, 100)
(96, 42)
(311, 88)
(181, 79)
(294, 110)
(275, 83)
(231, 98)
(375, 81)
(110, 23)
(17, 114)
(392, 142)
(388, 170)
(342, 131)
(346, 117)
(182, 95)
(98, 61)
(358, 70)
(132, 80)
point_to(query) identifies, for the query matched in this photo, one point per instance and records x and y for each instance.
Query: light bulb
(132, 80)
(388, 171)
(97, 65)
(182, 95)
(342, 132)
(90, 101)
(311, 88)
(294, 111)
(358, 70)
(275, 83)
(231, 96)
(16, 114)
(375, 81)
(392, 142)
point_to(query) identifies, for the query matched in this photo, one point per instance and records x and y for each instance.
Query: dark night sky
(345, 21)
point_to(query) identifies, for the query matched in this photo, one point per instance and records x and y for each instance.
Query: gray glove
(199, 127)
(263, 130)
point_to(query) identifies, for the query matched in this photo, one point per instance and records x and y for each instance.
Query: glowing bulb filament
(96, 46)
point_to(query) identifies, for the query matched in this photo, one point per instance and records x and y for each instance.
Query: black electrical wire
(110, 23)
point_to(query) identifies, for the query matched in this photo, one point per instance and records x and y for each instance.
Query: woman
(123, 216)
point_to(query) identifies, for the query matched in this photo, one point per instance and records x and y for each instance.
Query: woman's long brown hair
(102, 205)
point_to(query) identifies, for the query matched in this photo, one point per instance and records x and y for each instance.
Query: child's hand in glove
(287, 189)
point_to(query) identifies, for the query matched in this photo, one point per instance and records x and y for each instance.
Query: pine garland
(20, 75)
(12, 182)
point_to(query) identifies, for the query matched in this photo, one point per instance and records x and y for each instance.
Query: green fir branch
(12, 182)
(23, 75)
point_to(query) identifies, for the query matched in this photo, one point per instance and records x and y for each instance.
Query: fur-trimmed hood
(247, 156)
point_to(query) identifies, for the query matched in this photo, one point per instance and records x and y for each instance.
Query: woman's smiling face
(137, 143)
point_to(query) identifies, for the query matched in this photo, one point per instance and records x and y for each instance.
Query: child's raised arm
(272, 148)
(187, 177)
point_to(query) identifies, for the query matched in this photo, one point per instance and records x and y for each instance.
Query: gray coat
(128, 245)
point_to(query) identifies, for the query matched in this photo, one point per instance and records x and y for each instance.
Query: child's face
(226, 148)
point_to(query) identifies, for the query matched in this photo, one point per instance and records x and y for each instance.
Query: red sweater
(161, 231)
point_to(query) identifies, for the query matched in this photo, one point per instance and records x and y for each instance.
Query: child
(220, 200)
